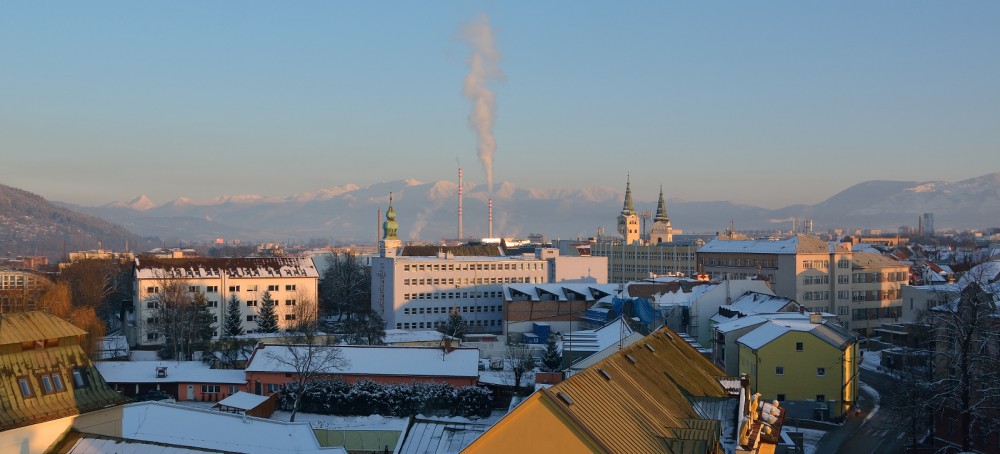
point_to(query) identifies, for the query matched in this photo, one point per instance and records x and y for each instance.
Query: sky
(763, 103)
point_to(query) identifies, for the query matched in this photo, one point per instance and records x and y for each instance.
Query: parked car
(154, 394)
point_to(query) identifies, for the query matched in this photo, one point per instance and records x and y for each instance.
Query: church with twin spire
(639, 254)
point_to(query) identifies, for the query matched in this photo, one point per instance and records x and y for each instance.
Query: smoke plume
(483, 68)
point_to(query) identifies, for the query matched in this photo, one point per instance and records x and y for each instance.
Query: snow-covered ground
(810, 437)
(871, 360)
(878, 399)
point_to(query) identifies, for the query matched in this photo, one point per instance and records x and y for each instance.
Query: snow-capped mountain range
(429, 211)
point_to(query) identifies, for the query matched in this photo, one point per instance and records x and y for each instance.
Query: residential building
(810, 366)
(687, 305)
(861, 288)
(657, 395)
(272, 366)
(20, 288)
(725, 352)
(416, 287)
(291, 281)
(184, 380)
(918, 299)
(47, 379)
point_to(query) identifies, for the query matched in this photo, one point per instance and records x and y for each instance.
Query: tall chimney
(460, 203)
(378, 227)
(491, 218)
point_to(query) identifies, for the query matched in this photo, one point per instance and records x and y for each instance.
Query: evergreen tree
(233, 325)
(204, 325)
(267, 317)
(366, 328)
(552, 359)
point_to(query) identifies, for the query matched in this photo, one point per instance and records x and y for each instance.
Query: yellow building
(657, 395)
(811, 365)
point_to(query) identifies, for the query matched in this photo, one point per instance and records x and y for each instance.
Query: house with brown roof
(46, 378)
(657, 395)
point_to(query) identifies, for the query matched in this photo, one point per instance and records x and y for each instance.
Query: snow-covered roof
(434, 436)
(612, 349)
(561, 292)
(185, 426)
(379, 360)
(873, 260)
(243, 401)
(751, 303)
(773, 329)
(242, 267)
(177, 372)
(91, 444)
(400, 336)
(681, 298)
(595, 340)
(800, 244)
(743, 322)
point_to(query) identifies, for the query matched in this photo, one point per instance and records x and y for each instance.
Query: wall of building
(217, 292)
(800, 380)
(642, 260)
(418, 293)
(276, 378)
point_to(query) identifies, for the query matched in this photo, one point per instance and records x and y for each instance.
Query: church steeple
(390, 226)
(628, 209)
(389, 245)
(661, 210)
(628, 220)
(661, 232)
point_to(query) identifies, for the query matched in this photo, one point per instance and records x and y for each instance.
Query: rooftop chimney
(816, 318)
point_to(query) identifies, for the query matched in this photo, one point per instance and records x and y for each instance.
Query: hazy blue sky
(768, 103)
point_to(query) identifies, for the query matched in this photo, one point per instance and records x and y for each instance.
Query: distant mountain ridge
(31, 225)
(429, 211)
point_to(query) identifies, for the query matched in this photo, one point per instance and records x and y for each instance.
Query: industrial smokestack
(378, 227)
(491, 218)
(460, 203)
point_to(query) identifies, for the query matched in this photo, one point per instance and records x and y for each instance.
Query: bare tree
(182, 318)
(306, 352)
(346, 286)
(520, 361)
(966, 335)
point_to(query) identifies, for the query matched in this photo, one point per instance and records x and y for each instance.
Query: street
(876, 435)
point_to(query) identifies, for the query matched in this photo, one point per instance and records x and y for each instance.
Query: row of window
(517, 266)
(450, 295)
(216, 389)
(875, 295)
(437, 324)
(445, 310)
(232, 288)
(812, 264)
(780, 370)
(52, 382)
(253, 303)
(819, 398)
(255, 317)
(816, 296)
(475, 280)
(875, 313)
(812, 280)
(755, 262)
